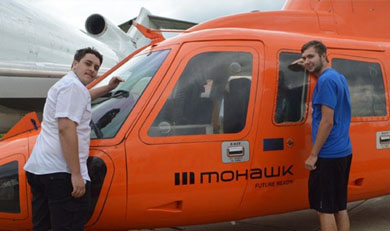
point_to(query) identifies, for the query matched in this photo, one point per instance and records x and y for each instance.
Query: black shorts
(328, 184)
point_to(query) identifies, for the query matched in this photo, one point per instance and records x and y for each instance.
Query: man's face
(312, 61)
(87, 68)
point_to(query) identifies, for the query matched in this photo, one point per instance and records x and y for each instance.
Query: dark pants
(53, 205)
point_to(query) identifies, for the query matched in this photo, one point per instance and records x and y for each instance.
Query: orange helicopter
(213, 125)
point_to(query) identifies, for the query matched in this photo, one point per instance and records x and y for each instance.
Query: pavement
(367, 215)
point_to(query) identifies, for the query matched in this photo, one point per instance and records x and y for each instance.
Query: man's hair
(318, 46)
(82, 52)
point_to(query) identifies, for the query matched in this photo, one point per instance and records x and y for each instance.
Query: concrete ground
(369, 215)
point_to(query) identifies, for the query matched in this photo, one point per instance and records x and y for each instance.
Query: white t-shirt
(68, 98)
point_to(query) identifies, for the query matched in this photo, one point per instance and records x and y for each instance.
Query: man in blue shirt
(330, 158)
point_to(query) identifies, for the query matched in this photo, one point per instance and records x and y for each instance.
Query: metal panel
(383, 140)
(235, 151)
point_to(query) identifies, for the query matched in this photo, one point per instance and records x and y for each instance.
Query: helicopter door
(198, 138)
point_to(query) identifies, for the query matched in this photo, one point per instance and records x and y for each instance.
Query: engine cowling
(105, 31)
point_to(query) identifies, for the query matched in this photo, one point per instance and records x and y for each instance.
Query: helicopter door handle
(384, 139)
(236, 151)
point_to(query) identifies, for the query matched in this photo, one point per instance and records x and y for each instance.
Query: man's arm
(100, 91)
(323, 132)
(67, 130)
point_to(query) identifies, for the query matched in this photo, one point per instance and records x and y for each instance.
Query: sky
(75, 12)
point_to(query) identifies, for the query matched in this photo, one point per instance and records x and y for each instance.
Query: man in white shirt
(57, 168)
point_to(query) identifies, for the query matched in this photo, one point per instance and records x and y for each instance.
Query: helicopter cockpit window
(292, 91)
(210, 97)
(110, 111)
(9, 188)
(366, 88)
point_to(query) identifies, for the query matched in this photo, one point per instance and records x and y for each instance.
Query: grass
(1, 135)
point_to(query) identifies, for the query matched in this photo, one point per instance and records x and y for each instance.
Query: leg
(327, 221)
(341, 216)
(40, 206)
(66, 212)
(80, 218)
(342, 220)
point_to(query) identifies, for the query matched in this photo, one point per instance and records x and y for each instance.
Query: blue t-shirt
(332, 90)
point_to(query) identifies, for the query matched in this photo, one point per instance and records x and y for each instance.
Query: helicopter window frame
(286, 89)
(370, 89)
(210, 97)
(108, 124)
(9, 188)
(254, 47)
(22, 186)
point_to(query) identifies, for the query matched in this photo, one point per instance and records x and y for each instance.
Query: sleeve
(71, 103)
(326, 93)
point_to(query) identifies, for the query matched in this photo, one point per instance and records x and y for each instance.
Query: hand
(298, 62)
(310, 163)
(114, 82)
(297, 65)
(78, 185)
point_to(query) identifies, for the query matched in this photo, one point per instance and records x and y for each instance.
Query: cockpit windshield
(111, 110)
